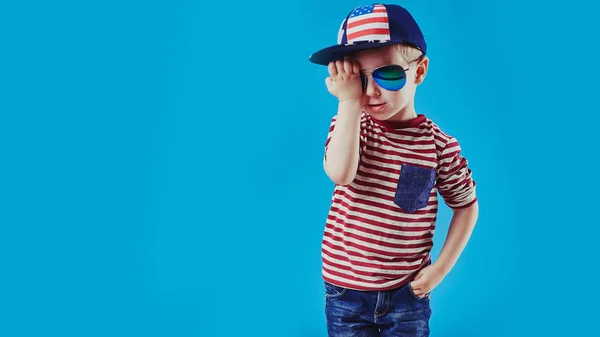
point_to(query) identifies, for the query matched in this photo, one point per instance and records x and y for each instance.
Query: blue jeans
(396, 312)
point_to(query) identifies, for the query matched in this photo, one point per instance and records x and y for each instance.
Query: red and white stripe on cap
(365, 23)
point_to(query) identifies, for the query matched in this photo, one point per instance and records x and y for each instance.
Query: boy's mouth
(377, 107)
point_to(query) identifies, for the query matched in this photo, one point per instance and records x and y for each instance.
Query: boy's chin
(380, 115)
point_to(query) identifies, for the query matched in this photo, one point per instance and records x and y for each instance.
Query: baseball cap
(373, 26)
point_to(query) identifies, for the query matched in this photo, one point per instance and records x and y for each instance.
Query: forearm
(342, 154)
(461, 226)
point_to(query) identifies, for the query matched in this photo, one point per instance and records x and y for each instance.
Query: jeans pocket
(412, 293)
(414, 187)
(332, 291)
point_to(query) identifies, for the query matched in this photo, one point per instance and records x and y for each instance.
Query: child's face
(384, 104)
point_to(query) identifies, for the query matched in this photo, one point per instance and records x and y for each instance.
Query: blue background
(161, 166)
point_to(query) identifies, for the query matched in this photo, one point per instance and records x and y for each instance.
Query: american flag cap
(372, 26)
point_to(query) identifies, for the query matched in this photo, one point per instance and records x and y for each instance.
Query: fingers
(331, 67)
(339, 64)
(343, 66)
(416, 289)
(343, 81)
(419, 289)
(355, 68)
(416, 286)
(348, 67)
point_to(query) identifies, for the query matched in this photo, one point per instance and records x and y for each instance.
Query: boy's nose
(372, 88)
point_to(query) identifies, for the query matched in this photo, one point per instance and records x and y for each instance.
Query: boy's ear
(422, 67)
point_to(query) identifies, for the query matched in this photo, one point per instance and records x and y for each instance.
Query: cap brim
(337, 52)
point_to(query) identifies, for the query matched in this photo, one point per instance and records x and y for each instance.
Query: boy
(387, 163)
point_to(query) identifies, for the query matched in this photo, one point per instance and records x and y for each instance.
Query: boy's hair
(408, 52)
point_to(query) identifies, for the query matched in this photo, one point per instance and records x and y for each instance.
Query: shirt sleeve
(455, 180)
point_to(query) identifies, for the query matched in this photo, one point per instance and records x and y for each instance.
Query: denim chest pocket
(414, 187)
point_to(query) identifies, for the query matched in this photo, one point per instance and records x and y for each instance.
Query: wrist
(441, 267)
(353, 106)
(350, 101)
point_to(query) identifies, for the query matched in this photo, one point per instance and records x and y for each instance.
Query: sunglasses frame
(364, 73)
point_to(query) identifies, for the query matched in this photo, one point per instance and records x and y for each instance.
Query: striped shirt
(379, 230)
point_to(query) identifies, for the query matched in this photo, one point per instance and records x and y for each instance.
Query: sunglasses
(390, 77)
